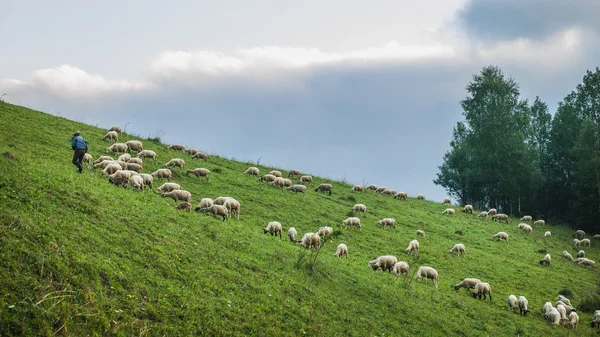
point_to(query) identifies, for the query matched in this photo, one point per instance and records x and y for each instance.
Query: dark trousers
(78, 157)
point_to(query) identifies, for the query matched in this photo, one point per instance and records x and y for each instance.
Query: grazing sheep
(221, 200)
(111, 168)
(147, 154)
(168, 187)
(547, 234)
(413, 247)
(278, 182)
(525, 227)
(233, 206)
(587, 263)
(199, 172)
(357, 188)
(117, 129)
(177, 147)
(341, 251)
(546, 260)
(178, 195)
(573, 319)
(111, 135)
(447, 201)
(221, 210)
(137, 181)
(581, 253)
(428, 273)
(512, 302)
(387, 222)
(585, 242)
(547, 307)
(385, 262)
(372, 187)
(360, 208)
(493, 211)
(400, 268)
(296, 173)
(200, 155)
(500, 217)
(204, 204)
(252, 171)
(563, 312)
(274, 228)
(576, 242)
(298, 188)
(184, 205)
(468, 209)
(163, 173)
(325, 231)
(467, 283)
(568, 307)
(596, 236)
(481, 289)
(351, 221)
(564, 300)
(175, 162)
(305, 179)
(420, 233)
(526, 218)
(103, 158)
(389, 191)
(291, 233)
(276, 173)
(483, 215)
(501, 235)
(523, 305)
(267, 177)
(324, 188)
(449, 211)
(191, 151)
(117, 147)
(287, 182)
(401, 195)
(420, 196)
(105, 163)
(136, 161)
(311, 241)
(596, 321)
(133, 167)
(553, 316)
(88, 159)
(459, 249)
(380, 189)
(148, 179)
(539, 222)
(134, 145)
(120, 176)
(567, 256)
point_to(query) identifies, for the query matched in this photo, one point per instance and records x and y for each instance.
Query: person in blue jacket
(79, 144)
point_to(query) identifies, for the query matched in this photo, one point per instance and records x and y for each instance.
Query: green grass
(82, 257)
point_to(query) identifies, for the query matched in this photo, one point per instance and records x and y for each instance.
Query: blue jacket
(78, 143)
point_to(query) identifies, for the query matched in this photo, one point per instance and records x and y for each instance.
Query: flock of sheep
(126, 171)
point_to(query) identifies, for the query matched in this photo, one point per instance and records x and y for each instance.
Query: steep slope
(80, 256)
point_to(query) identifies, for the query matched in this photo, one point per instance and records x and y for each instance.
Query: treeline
(514, 155)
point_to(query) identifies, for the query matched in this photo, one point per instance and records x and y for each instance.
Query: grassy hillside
(82, 257)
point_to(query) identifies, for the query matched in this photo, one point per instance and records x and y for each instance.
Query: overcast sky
(368, 91)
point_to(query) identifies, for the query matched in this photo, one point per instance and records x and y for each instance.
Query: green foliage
(81, 257)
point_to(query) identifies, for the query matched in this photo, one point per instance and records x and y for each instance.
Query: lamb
(413, 247)
(400, 268)
(111, 135)
(204, 204)
(493, 211)
(287, 182)
(341, 251)
(177, 147)
(134, 145)
(539, 222)
(420, 196)
(274, 228)
(137, 181)
(168, 187)
(468, 209)
(481, 289)
(292, 234)
(586, 242)
(357, 188)
(216, 210)
(133, 167)
(184, 205)
(581, 253)
(298, 188)
(526, 218)
(360, 208)
(111, 168)
(459, 249)
(117, 129)
(221, 200)
(401, 195)
(449, 211)
(200, 155)
(385, 262)
(267, 177)
(380, 189)
(117, 147)
(547, 234)
(512, 302)
(252, 171)
(387, 222)
(587, 262)
(467, 283)
(372, 187)
(596, 321)
(148, 179)
(546, 260)
(136, 161)
(573, 319)
(147, 154)
(324, 188)
(525, 227)
(178, 195)
(276, 173)
(305, 179)
(163, 173)
(523, 305)
(311, 241)
(88, 159)
(233, 206)
(199, 172)
(175, 162)
(278, 182)
(500, 217)
(294, 173)
(351, 221)
(428, 273)
(567, 256)
(501, 235)
(447, 201)
(420, 233)
(103, 158)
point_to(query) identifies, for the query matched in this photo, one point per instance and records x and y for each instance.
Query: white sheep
(447, 201)
(137, 181)
(133, 167)
(428, 273)
(467, 283)
(547, 234)
(117, 147)
(148, 179)
(351, 221)
(389, 191)
(500, 236)
(311, 241)
(420, 233)
(576, 242)
(481, 289)
(413, 247)
(420, 196)
(88, 159)
(103, 158)
(357, 188)
(468, 209)
(483, 215)
(177, 147)
(138, 161)
(200, 155)
(587, 263)
(596, 321)
(385, 263)
(512, 302)
(380, 189)
(493, 211)
(564, 300)
(204, 204)
(168, 187)
(539, 223)
(291, 233)
(372, 187)
(111, 135)
(163, 173)
(178, 195)
(586, 242)
(360, 208)
(581, 253)
(252, 171)
(200, 172)
(134, 145)
(217, 210)
(287, 182)
(124, 157)
(449, 211)
(341, 251)
(221, 200)
(523, 305)
(117, 129)
(526, 218)
(298, 188)
(525, 227)
(111, 168)
(233, 207)
(296, 173)
(553, 316)
(184, 205)
(567, 256)
(278, 181)
(500, 217)
(147, 154)
(120, 177)
(191, 151)
(175, 162)
(274, 228)
(573, 319)
(325, 231)
(305, 179)
(459, 249)
(400, 268)
(276, 173)
(387, 222)
(324, 188)
(267, 177)
(546, 260)
(401, 195)
(563, 311)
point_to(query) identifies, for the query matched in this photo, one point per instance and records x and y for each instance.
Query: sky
(367, 92)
